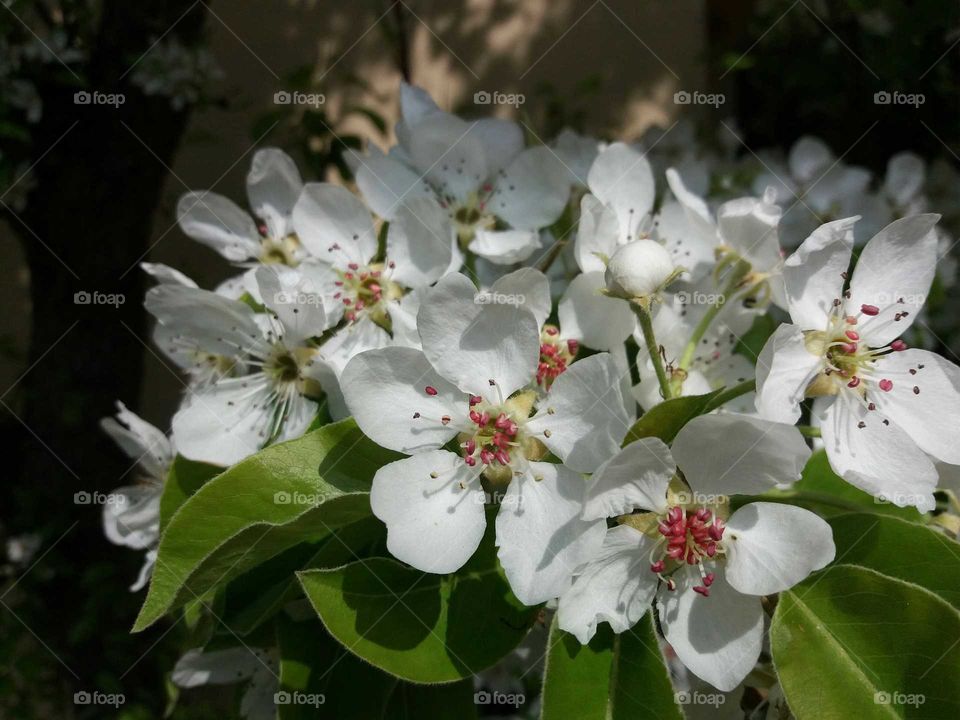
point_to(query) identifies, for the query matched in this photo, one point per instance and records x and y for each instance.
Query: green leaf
(850, 642)
(294, 492)
(183, 480)
(312, 663)
(666, 419)
(614, 677)
(900, 549)
(418, 626)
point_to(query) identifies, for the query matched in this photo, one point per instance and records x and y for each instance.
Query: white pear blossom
(497, 193)
(889, 409)
(706, 569)
(640, 269)
(131, 517)
(257, 667)
(234, 416)
(471, 384)
(273, 187)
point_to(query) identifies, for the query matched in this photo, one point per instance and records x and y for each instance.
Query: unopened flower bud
(639, 269)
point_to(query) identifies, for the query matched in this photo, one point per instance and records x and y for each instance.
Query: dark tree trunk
(86, 225)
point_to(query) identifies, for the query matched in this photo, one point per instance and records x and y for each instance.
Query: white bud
(639, 269)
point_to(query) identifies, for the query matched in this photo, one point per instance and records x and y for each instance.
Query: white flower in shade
(577, 153)
(234, 417)
(201, 367)
(744, 229)
(257, 667)
(370, 296)
(497, 193)
(715, 362)
(615, 212)
(813, 186)
(273, 186)
(132, 516)
(707, 570)
(639, 270)
(887, 408)
(471, 384)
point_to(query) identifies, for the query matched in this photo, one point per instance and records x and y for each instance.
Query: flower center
(470, 215)
(363, 289)
(284, 366)
(555, 355)
(689, 537)
(278, 251)
(847, 361)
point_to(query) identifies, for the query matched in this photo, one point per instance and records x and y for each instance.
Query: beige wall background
(642, 52)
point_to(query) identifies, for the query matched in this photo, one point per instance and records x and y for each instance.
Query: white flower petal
(616, 586)
(295, 302)
(924, 401)
(334, 225)
(141, 441)
(689, 249)
(540, 533)
(879, 457)
(529, 285)
(146, 570)
(385, 388)
(622, 178)
(166, 274)
(730, 454)
(899, 263)
(216, 667)
(784, 369)
(532, 191)
(749, 226)
(419, 243)
(718, 638)
(273, 187)
(225, 422)
(502, 141)
(772, 546)
(636, 478)
(386, 183)
(131, 517)
(582, 420)
(808, 158)
(446, 150)
(219, 223)
(906, 174)
(472, 343)
(598, 234)
(504, 247)
(598, 321)
(432, 505)
(814, 274)
(699, 220)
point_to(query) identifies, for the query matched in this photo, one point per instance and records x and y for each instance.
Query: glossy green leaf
(614, 677)
(418, 626)
(900, 549)
(183, 480)
(668, 418)
(294, 492)
(850, 642)
(322, 680)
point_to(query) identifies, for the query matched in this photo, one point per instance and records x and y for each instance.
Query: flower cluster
(505, 354)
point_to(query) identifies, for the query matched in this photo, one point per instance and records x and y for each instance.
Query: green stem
(809, 431)
(737, 273)
(470, 266)
(732, 393)
(653, 349)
